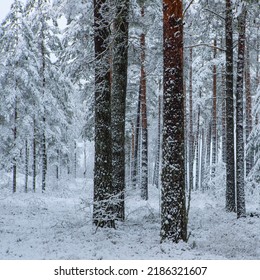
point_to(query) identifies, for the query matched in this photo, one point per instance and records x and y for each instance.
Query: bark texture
(241, 207)
(191, 136)
(156, 175)
(144, 154)
(118, 103)
(230, 164)
(214, 117)
(103, 209)
(249, 120)
(173, 209)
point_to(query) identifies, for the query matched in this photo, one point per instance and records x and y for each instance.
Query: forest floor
(57, 225)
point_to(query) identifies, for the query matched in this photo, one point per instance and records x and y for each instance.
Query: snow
(57, 225)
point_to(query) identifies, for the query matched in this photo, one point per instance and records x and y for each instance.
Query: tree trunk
(144, 155)
(15, 137)
(132, 155)
(26, 166)
(75, 159)
(118, 104)
(173, 208)
(58, 164)
(158, 153)
(230, 165)
(85, 160)
(208, 144)
(249, 121)
(223, 120)
(241, 207)
(203, 160)
(137, 143)
(214, 118)
(191, 138)
(44, 160)
(34, 172)
(197, 145)
(103, 215)
(44, 144)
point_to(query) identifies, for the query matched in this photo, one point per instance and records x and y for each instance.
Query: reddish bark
(173, 208)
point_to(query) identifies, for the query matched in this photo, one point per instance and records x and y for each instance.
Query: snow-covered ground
(57, 225)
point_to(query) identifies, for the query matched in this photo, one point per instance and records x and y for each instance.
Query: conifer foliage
(81, 72)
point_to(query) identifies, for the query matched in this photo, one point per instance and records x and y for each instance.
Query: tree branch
(215, 13)
(205, 45)
(187, 8)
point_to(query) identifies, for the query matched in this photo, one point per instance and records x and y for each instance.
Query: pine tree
(144, 135)
(137, 141)
(240, 193)
(191, 136)
(230, 164)
(51, 113)
(249, 120)
(173, 209)
(118, 100)
(156, 175)
(103, 208)
(214, 112)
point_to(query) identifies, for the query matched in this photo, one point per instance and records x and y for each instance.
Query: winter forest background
(130, 130)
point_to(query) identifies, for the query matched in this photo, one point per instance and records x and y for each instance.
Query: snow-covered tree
(173, 209)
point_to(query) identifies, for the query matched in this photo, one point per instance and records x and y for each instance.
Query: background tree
(241, 210)
(230, 164)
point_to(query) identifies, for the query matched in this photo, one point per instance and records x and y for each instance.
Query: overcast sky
(5, 7)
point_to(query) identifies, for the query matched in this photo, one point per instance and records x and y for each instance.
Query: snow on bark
(173, 209)
(144, 139)
(230, 164)
(241, 208)
(102, 212)
(118, 103)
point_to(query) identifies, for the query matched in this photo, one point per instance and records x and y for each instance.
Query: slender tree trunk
(241, 207)
(34, 172)
(191, 137)
(44, 160)
(197, 158)
(186, 135)
(132, 156)
(85, 159)
(208, 144)
(158, 153)
(75, 159)
(223, 121)
(230, 166)
(103, 215)
(214, 111)
(137, 143)
(258, 62)
(203, 160)
(257, 81)
(15, 137)
(173, 206)
(249, 121)
(144, 157)
(208, 137)
(58, 164)
(118, 103)
(26, 166)
(44, 144)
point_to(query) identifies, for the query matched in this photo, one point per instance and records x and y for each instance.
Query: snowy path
(49, 226)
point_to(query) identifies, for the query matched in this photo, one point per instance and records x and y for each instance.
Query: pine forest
(130, 129)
